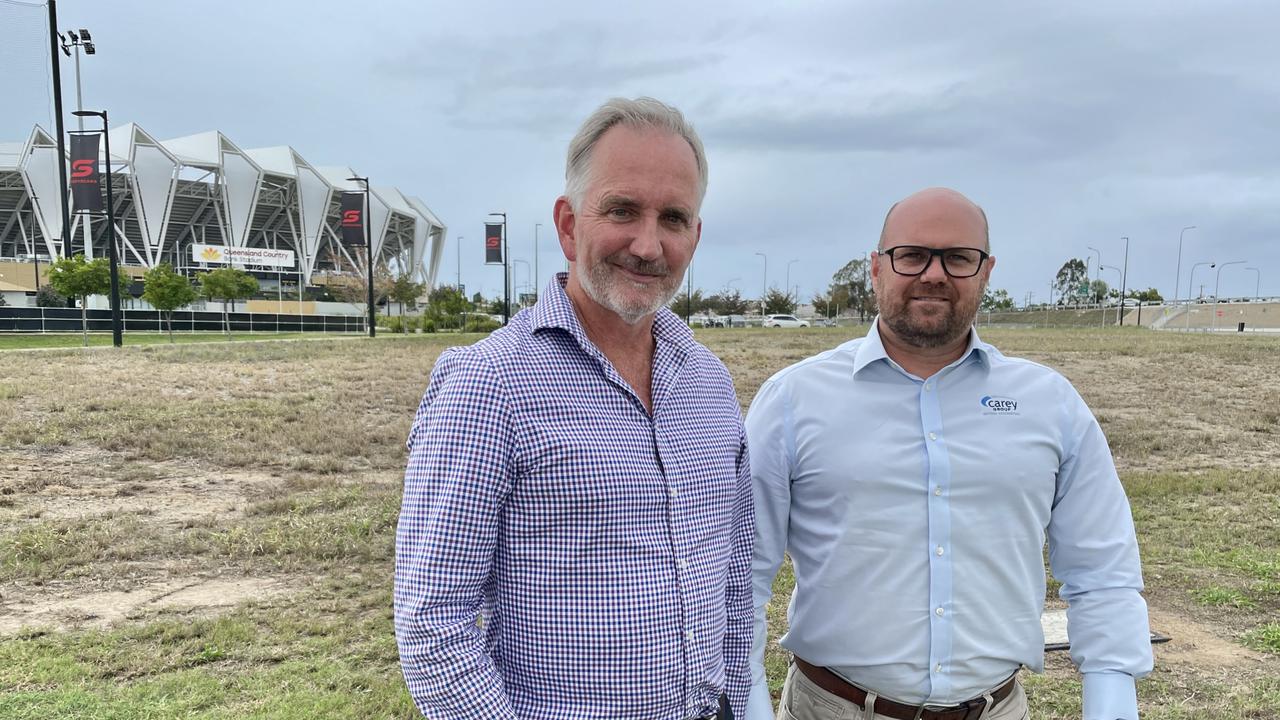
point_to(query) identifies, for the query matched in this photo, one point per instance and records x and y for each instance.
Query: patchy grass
(149, 465)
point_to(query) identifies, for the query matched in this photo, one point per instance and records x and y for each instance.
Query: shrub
(481, 325)
(46, 296)
(428, 325)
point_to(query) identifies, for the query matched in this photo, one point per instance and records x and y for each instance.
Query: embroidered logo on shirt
(999, 405)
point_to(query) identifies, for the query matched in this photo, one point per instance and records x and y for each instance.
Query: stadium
(173, 196)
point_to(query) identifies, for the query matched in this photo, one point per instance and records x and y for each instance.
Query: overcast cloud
(1072, 126)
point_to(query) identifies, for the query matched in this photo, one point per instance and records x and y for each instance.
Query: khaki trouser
(802, 700)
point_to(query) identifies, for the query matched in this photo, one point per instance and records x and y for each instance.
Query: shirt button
(933, 436)
(689, 636)
(684, 564)
(928, 386)
(939, 553)
(673, 492)
(937, 490)
(939, 612)
(937, 668)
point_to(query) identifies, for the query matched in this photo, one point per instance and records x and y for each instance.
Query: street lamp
(368, 250)
(1124, 277)
(536, 286)
(117, 328)
(1104, 307)
(1178, 277)
(1257, 283)
(788, 285)
(1098, 274)
(1217, 279)
(506, 271)
(764, 283)
(514, 277)
(80, 41)
(1186, 322)
(459, 263)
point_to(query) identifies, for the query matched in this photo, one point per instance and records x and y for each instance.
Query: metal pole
(1124, 277)
(1257, 285)
(459, 263)
(57, 117)
(688, 292)
(536, 286)
(1098, 276)
(117, 330)
(1186, 322)
(789, 276)
(369, 259)
(1217, 302)
(506, 274)
(764, 284)
(1178, 276)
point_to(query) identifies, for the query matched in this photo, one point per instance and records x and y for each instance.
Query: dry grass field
(206, 531)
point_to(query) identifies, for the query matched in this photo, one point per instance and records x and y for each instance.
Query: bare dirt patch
(73, 606)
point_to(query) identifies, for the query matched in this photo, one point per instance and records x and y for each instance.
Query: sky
(1074, 125)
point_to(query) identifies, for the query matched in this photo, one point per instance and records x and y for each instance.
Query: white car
(784, 321)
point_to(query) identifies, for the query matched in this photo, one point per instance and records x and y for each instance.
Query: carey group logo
(210, 254)
(995, 405)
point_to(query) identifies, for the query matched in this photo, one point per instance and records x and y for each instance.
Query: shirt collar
(872, 349)
(555, 310)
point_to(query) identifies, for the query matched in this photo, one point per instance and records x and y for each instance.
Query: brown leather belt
(970, 710)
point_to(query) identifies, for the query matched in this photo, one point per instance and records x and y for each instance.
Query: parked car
(784, 321)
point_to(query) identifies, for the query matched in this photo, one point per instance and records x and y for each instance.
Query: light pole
(1098, 274)
(54, 60)
(536, 286)
(1124, 277)
(788, 285)
(506, 272)
(1178, 277)
(1217, 279)
(764, 284)
(80, 41)
(514, 278)
(1186, 322)
(459, 263)
(1104, 307)
(1257, 283)
(368, 251)
(117, 330)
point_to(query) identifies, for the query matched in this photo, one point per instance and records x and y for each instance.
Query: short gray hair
(641, 113)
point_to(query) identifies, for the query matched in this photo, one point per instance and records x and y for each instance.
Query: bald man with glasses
(914, 477)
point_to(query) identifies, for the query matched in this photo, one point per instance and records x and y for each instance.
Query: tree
(404, 290)
(46, 296)
(777, 302)
(1072, 282)
(727, 302)
(229, 285)
(683, 302)
(997, 301)
(1150, 295)
(80, 278)
(1098, 291)
(167, 291)
(851, 288)
(446, 303)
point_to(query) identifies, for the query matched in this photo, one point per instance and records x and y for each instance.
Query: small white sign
(241, 256)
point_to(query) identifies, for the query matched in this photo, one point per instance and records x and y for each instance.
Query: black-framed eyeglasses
(912, 260)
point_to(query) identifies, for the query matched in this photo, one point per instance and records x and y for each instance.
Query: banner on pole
(85, 180)
(351, 219)
(493, 243)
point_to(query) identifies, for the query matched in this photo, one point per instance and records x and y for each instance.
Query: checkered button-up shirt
(607, 548)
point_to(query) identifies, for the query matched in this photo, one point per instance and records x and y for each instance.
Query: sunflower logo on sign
(211, 254)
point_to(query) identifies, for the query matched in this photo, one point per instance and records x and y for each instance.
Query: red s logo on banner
(82, 168)
(351, 217)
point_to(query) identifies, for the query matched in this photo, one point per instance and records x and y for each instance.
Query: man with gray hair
(581, 475)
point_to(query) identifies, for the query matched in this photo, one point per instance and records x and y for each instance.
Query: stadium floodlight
(85, 35)
(89, 49)
(72, 34)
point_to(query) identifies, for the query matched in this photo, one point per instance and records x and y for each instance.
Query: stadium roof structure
(205, 189)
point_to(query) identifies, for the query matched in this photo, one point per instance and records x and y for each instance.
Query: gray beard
(597, 284)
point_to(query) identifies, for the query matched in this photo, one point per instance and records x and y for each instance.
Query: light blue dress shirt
(916, 510)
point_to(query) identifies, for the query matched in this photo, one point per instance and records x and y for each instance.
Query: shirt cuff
(759, 704)
(1110, 696)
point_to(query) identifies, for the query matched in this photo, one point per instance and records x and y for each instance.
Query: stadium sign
(241, 256)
